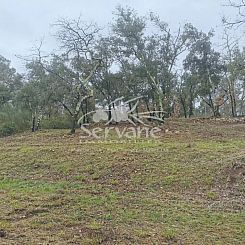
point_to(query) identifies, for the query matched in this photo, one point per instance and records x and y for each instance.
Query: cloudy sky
(23, 23)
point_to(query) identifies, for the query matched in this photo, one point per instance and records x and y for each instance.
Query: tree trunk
(86, 110)
(191, 108)
(233, 104)
(160, 105)
(148, 109)
(74, 124)
(232, 95)
(182, 101)
(109, 113)
(216, 111)
(33, 129)
(241, 110)
(38, 124)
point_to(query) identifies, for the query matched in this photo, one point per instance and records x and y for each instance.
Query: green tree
(10, 82)
(204, 69)
(155, 53)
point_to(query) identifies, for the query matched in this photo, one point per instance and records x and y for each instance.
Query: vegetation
(185, 188)
(177, 73)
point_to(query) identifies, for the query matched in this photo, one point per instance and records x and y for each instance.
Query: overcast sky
(23, 23)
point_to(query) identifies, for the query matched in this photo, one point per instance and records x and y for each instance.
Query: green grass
(55, 190)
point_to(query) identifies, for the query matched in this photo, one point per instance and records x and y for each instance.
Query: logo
(121, 113)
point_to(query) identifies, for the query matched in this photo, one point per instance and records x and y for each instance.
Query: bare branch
(240, 18)
(76, 36)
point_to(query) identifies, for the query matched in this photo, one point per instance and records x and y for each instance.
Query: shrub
(7, 129)
(13, 120)
(56, 123)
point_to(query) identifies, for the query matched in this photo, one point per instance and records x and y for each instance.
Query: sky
(24, 23)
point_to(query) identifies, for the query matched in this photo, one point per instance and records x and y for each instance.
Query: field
(187, 187)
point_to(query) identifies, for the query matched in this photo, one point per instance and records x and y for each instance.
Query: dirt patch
(19, 214)
(235, 173)
(2, 233)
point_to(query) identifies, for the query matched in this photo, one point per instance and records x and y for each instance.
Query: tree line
(179, 73)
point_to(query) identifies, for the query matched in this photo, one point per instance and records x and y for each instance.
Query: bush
(13, 120)
(7, 129)
(56, 123)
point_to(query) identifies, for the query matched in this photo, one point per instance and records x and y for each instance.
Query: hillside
(187, 187)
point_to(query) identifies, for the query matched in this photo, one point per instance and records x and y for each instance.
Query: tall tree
(156, 53)
(203, 64)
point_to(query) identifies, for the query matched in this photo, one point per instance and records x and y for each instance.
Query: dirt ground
(186, 187)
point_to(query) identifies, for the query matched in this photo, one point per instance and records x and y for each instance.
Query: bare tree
(240, 18)
(71, 71)
(230, 73)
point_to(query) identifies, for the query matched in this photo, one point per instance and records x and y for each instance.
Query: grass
(56, 190)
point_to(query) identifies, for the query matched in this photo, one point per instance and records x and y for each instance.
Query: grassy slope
(181, 189)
